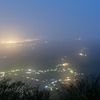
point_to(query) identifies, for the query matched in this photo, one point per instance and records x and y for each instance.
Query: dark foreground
(83, 89)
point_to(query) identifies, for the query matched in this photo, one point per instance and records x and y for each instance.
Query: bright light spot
(46, 86)
(71, 71)
(68, 79)
(59, 79)
(28, 72)
(28, 40)
(65, 64)
(81, 54)
(51, 89)
(37, 80)
(2, 74)
(29, 69)
(10, 42)
(53, 82)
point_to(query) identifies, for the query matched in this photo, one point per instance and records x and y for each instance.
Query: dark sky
(49, 19)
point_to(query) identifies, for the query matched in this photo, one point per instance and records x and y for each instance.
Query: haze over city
(49, 41)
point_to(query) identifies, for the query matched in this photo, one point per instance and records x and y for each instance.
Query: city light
(65, 64)
(28, 72)
(17, 41)
(2, 74)
(53, 84)
(81, 54)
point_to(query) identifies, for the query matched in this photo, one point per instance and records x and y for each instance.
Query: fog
(43, 62)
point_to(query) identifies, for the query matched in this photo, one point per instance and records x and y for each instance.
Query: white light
(46, 86)
(59, 79)
(52, 82)
(10, 42)
(28, 72)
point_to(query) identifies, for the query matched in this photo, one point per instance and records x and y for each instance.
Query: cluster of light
(28, 72)
(29, 69)
(82, 54)
(67, 79)
(65, 64)
(11, 42)
(71, 71)
(2, 74)
(28, 40)
(8, 41)
(76, 79)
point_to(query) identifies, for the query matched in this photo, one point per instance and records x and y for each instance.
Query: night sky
(49, 19)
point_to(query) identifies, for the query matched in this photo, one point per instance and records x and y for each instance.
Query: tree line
(87, 88)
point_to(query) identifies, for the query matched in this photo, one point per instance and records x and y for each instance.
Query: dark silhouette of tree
(83, 89)
(21, 91)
